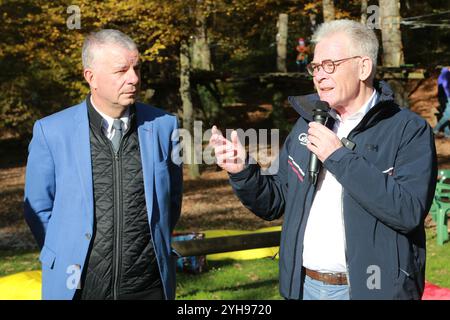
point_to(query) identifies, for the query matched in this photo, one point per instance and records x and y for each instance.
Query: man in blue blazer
(103, 192)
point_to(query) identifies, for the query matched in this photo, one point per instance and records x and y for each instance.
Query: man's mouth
(325, 89)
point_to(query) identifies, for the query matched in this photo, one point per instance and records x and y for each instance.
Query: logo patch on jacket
(303, 138)
(296, 168)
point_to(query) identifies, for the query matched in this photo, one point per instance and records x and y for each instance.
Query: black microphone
(320, 115)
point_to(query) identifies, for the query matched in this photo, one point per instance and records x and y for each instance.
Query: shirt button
(88, 236)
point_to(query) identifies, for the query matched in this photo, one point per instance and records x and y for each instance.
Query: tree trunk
(390, 33)
(282, 42)
(201, 53)
(207, 93)
(188, 110)
(328, 10)
(364, 11)
(392, 45)
(313, 22)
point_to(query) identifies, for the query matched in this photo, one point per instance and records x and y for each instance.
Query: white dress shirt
(324, 242)
(107, 123)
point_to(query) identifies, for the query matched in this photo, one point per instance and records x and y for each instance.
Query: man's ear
(365, 68)
(90, 77)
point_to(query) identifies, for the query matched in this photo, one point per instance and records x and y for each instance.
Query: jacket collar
(383, 106)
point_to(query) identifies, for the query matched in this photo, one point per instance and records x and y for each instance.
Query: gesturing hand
(230, 155)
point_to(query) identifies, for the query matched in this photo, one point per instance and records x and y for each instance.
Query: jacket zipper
(345, 236)
(117, 221)
(345, 245)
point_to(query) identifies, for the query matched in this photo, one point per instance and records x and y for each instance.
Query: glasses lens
(328, 66)
(310, 68)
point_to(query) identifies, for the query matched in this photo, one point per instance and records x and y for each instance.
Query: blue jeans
(317, 290)
(444, 122)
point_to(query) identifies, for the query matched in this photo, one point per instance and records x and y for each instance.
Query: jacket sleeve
(176, 177)
(446, 85)
(401, 200)
(260, 192)
(39, 185)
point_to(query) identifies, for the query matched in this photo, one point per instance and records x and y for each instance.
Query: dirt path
(14, 233)
(209, 203)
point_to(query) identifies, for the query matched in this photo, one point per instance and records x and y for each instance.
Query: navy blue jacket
(383, 210)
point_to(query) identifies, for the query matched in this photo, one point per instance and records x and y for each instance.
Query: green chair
(442, 210)
(434, 209)
(444, 177)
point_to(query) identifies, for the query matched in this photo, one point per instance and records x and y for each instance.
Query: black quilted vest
(121, 262)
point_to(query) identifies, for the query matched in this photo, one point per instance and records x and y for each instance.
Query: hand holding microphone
(322, 142)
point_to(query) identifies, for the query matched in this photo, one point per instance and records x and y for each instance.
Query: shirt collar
(358, 115)
(107, 121)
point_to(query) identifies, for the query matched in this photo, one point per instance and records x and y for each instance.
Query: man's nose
(132, 76)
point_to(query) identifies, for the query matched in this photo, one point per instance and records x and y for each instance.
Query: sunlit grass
(241, 279)
(18, 261)
(438, 261)
(231, 279)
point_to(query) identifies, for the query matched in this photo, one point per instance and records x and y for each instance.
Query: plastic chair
(434, 209)
(442, 210)
(443, 177)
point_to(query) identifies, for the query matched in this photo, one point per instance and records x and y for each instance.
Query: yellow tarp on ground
(243, 254)
(27, 285)
(21, 286)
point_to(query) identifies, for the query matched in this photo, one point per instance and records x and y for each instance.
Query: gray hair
(364, 41)
(104, 37)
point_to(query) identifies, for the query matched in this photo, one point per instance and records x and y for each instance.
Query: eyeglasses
(329, 66)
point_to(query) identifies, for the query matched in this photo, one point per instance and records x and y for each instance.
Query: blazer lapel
(146, 142)
(82, 148)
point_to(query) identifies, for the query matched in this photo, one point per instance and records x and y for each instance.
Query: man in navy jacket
(358, 233)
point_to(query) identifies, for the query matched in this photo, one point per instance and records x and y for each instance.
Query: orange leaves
(313, 7)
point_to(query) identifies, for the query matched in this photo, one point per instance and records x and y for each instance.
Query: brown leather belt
(328, 278)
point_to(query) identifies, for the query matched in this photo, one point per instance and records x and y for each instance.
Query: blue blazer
(59, 205)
